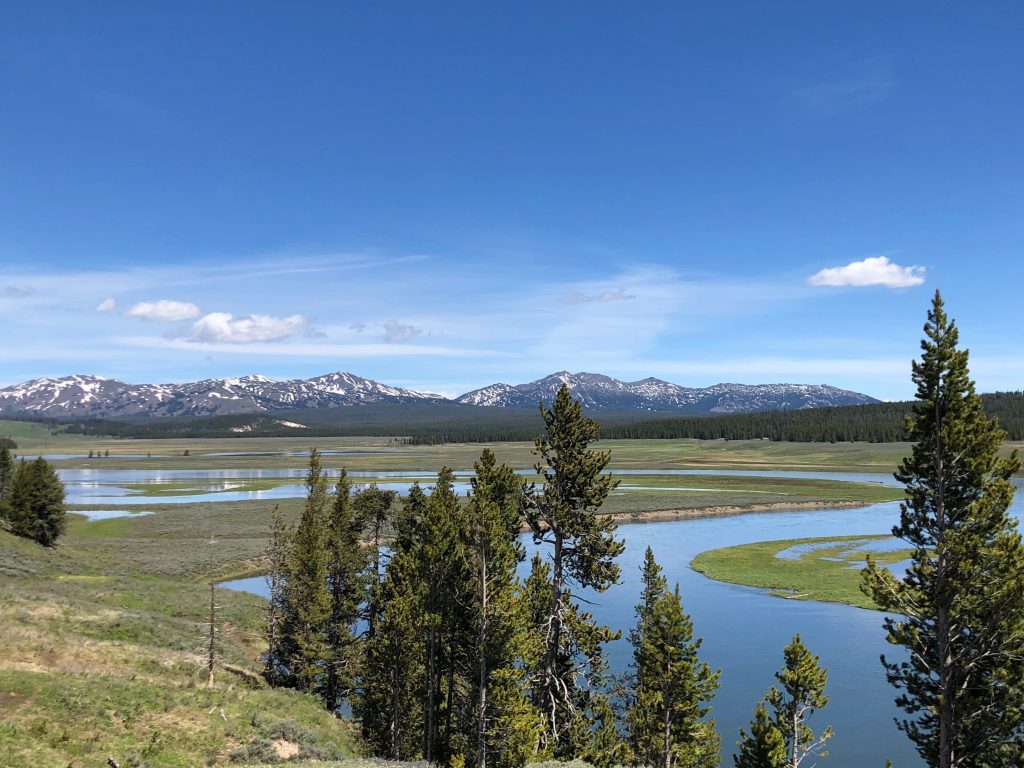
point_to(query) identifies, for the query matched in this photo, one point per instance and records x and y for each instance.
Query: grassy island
(825, 569)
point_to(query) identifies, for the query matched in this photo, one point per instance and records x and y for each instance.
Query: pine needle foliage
(764, 746)
(961, 602)
(35, 502)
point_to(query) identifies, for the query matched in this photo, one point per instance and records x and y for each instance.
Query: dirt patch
(10, 701)
(659, 515)
(285, 749)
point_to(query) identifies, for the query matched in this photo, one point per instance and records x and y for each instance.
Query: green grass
(26, 431)
(203, 486)
(105, 662)
(385, 454)
(829, 571)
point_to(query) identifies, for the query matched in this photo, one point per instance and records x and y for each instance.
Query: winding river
(744, 629)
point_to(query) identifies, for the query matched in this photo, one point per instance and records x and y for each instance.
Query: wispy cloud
(164, 311)
(312, 351)
(872, 271)
(866, 82)
(18, 291)
(396, 332)
(107, 305)
(617, 294)
(251, 329)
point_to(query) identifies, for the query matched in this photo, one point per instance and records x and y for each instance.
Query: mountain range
(98, 397)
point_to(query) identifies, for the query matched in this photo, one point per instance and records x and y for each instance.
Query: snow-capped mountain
(98, 397)
(603, 392)
(95, 396)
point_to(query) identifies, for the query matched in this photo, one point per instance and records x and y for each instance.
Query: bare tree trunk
(481, 735)
(666, 746)
(429, 732)
(371, 616)
(396, 711)
(795, 758)
(211, 656)
(947, 691)
(449, 697)
(554, 640)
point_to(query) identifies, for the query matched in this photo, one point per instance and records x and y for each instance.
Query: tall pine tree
(563, 515)
(276, 668)
(35, 503)
(307, 599)
(390, 708)
(346, 577)
(6, 472)
(671, 686)
(503, 722)
(961, 602)
(447, 594)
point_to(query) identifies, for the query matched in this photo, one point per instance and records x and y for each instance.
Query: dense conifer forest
(428, 425)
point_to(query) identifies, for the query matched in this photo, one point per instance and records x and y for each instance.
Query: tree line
(31, 499)
(877, 423)
(441, 653)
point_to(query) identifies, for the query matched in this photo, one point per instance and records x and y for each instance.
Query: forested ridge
(428, 425)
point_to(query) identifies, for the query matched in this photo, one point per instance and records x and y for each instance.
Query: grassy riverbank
(825, 569)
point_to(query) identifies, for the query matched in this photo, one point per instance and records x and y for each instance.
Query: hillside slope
(102, 659)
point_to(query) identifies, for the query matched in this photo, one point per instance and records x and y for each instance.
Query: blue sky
(444, 195)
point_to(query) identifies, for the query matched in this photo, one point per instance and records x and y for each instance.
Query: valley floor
(104, 635)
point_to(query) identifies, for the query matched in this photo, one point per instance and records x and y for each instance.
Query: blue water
(92, 515)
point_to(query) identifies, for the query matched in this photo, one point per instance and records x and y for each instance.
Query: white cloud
(223, 327)
(875, 270)
(396, 332)
(107, 305)
(164, 310)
